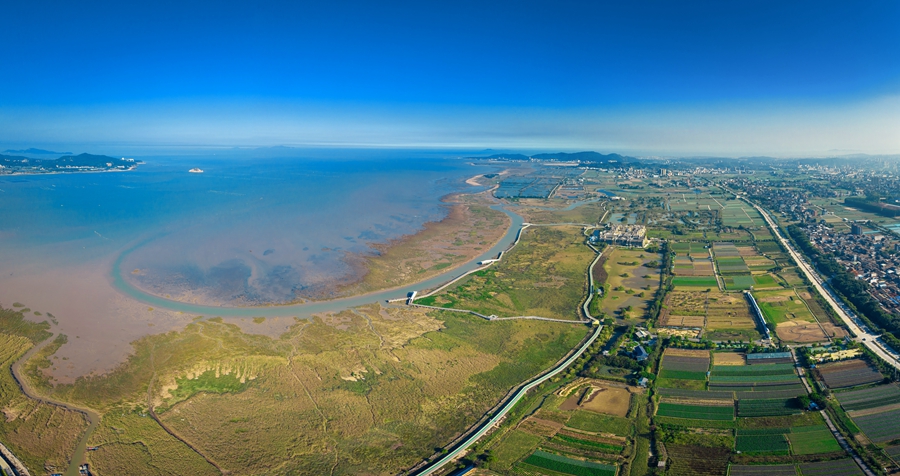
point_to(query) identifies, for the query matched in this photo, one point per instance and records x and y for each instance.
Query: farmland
(848, 373)
(729, 318)
(696, 412)
(565, 465)
(841, 467)
(762, 470)
(563, 438)
(722, 315)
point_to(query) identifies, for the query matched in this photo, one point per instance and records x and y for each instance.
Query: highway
(859, 330)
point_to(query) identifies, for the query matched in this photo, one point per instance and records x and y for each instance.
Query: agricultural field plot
(768, 407)
(848, 373)
(737, 213)
(684, 309)
(762, 380)
(693, 266)
(812, 440)
(596, 423)
(601, 397)
(693, 460)
(679, 395)
(729, 317)
(783, 305)
(768, 247)
(792, 277)
(880, 427)
(729, 358)
(695, 282)
(893, 452)
(695, 412)
(756, 444)
(542, 276)
(732, 266)
(874, 397)
(840, 467)
(764, 281)
(686, 361)
(739, 283)
(563, 465)
(762, 470)
(793, 319)
(631, 280)
(516, 445)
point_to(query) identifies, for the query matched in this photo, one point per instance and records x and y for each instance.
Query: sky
(653, 78)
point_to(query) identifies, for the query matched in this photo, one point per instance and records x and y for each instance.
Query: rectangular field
(762, 470)
(695, 282)
(694, 412)
(767, 407)
(812, 440)
(761, 444)
(840, 467)
(848, 373)
(880, 427)
(869, 397)
(564, 465)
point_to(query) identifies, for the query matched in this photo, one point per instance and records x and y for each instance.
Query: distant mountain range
(34, 151)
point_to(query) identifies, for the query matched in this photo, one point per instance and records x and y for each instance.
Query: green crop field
(764, 281)
(695, 282)
(767, 407)
(775, 443)
(514, 447)
(812, 440)
(589, 421)
(696, 412)
(564, 465)
(739, 282)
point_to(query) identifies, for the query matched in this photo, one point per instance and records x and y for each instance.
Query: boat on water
(195, 170)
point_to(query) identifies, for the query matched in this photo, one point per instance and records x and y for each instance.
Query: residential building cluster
(869, 257)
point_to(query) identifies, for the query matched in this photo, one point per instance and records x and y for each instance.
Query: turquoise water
(245, 231)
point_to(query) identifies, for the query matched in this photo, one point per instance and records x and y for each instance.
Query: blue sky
(735, 77)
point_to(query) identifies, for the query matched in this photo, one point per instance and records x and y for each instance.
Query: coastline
(470, 228)
(422, 255)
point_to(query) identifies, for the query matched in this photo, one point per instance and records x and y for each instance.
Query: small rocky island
(15, 165)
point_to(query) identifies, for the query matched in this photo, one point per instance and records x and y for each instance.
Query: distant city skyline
(708, 78)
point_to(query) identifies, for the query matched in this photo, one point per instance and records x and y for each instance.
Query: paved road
(517, 396)
(860, 332)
